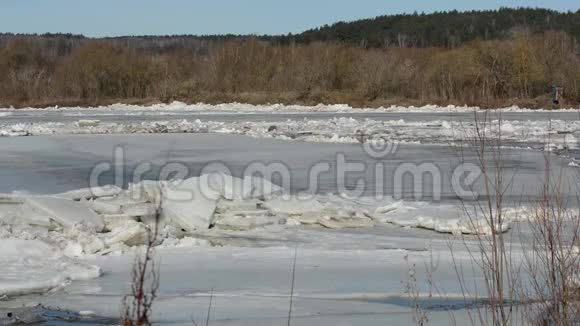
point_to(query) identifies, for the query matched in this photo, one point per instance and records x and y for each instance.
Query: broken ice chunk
(65, 212)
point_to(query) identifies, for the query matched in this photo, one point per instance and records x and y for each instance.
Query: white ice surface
(65, 212)
(111, 223)
(446, 218)
(44, 236)
(251, 286)
(354, 273)
(90, 193)
(33, 266)
(190, 205)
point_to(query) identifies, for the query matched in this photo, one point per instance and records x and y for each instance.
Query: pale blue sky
(144, 17)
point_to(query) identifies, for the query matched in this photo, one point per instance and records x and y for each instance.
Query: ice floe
(558, 134)
(42, 238)
(446, 218)
(65, 212)
(249, 108)
(81, 225)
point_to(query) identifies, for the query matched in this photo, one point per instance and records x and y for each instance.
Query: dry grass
(530, 275)
(138, 305)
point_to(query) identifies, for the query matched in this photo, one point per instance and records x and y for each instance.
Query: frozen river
(60, 163)
(343, 276)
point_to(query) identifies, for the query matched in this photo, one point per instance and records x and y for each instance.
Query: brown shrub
(100, 71)
(485, 73)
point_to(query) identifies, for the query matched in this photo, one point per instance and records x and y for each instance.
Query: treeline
(444, 29)
(440, 29)
(518, 70)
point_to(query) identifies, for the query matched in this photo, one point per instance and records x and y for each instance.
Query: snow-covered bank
(241, 108)
(559, 133)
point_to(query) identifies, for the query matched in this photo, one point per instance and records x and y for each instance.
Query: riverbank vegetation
(61, 70)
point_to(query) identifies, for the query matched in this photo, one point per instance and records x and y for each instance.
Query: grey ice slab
(60, 163)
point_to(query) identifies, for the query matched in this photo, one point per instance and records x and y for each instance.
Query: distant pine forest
(484, 58)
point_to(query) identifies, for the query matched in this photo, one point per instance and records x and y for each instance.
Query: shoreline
(241, 107)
